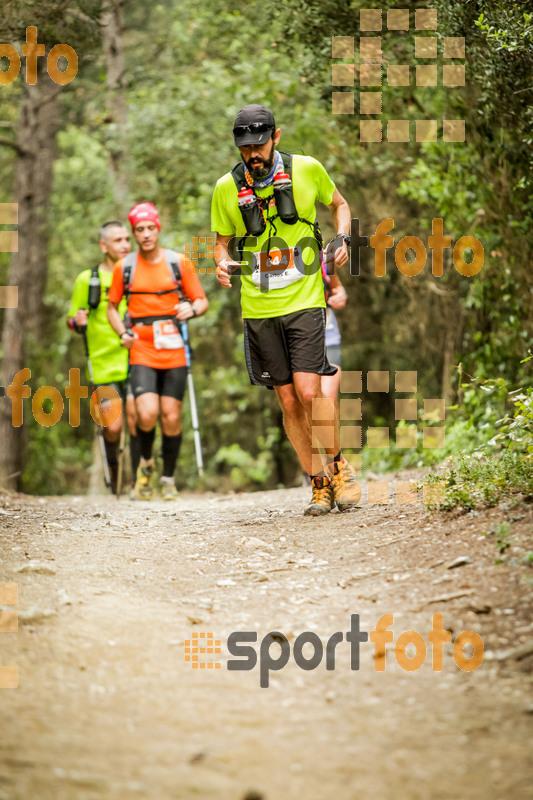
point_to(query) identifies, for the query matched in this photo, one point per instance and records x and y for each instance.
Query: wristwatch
(346, 238)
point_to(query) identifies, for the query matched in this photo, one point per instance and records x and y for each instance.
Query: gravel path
(109, 593)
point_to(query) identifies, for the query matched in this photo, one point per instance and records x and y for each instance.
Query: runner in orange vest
(162, 289)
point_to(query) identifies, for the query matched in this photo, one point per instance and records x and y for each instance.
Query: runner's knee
(112, 432)
(147, 419)
(170, 419)
(289, 401)
(306, 395)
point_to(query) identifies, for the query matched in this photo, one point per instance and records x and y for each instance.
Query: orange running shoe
(346, 488)
(322, 500)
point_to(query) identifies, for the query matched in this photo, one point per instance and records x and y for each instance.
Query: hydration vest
(238, 174)
(129, 265)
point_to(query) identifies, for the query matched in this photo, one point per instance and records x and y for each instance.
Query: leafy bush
(502, 466)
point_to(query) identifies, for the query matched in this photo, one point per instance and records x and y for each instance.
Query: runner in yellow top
(264, 210)
(88, 316)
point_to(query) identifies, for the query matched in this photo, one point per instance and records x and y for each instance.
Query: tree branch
(14, 145)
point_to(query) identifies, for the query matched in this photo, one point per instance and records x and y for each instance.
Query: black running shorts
(277, 347)
(164, 382)
(121, 387)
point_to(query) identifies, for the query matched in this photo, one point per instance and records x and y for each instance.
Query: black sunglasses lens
(254, 127)
(259, 127)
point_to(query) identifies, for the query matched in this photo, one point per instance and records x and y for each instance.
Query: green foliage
(500, 466)
(516, 433)
(503, 542)
(57, 461)
(502, 533)
(470, 423)
(475, 479)
(244, 468)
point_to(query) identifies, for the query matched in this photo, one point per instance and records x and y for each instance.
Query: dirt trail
(107, 708)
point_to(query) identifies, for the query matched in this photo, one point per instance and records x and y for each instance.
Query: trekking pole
(100, 430)
(123, 432)
(121, 450)
(192, 397)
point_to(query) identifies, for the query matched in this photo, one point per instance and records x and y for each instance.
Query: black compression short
(164, 382)
(121, 387)
(277, 347)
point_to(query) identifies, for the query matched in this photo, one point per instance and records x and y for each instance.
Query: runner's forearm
(200, 306)
(224, 263)
(222, 253)
(341, 213)
(115, 320)
(342, 218)
(334, 281)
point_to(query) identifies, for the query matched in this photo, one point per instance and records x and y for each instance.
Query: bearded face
(259, 163)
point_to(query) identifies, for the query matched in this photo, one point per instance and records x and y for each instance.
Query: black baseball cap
(253, 125)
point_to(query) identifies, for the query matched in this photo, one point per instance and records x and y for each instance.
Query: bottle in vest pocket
(284, 197)
(94, 290)
(251, 211)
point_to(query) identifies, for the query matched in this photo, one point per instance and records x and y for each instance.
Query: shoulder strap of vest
(287, 162)
(129, 265)
(237, 173)
(173, 263)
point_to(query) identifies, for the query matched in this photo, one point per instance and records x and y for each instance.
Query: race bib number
(278, 269)
(166, 335)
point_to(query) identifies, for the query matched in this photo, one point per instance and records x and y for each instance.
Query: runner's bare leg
(171, 415)
(147, 410)
(296, 401)
(296, 424)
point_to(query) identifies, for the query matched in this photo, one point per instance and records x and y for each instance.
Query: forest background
(148, 117)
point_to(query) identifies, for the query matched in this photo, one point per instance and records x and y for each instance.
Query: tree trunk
(116, 103)
(452, 342)
(36, 140)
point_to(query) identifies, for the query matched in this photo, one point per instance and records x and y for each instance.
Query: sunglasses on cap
(253, 127)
